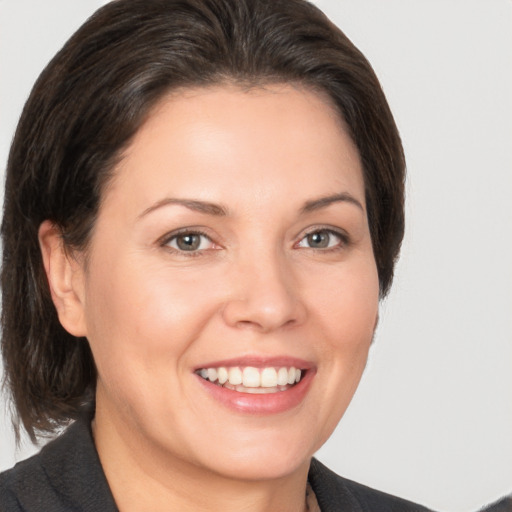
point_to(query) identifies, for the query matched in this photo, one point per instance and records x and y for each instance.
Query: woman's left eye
(189, 242)
(322, 239)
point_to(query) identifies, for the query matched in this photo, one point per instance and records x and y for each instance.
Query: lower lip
(261, 404)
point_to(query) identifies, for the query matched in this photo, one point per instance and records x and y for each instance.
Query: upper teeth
(251, 377)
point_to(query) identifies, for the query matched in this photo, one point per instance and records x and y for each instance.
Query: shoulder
(335, 493)
(65, 475)
(502, 505)
(26, 486)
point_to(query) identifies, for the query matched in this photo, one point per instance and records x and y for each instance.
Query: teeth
(222, 374)
(269, 378)
(282, 377)
(235, 376)
(251, 379)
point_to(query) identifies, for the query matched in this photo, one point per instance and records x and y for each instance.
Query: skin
(255, 286)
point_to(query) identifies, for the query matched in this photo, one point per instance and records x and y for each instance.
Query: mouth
(257, 385)
(253, 380)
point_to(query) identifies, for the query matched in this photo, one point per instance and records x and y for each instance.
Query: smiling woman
(204, 204)
(172, 296)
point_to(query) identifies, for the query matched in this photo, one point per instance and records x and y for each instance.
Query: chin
(265, 456)
(262, 466)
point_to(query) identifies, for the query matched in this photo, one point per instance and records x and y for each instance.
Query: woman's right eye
(189, 242)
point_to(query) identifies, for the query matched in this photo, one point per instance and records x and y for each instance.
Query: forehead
(217, 139)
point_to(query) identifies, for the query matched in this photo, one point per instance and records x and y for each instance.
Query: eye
(189, 242)
(322, 239)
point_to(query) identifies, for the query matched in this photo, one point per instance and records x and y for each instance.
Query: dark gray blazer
(67, 476)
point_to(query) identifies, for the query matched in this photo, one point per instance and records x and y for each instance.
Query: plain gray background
(432, 419)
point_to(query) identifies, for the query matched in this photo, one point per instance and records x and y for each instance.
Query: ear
(65, 276)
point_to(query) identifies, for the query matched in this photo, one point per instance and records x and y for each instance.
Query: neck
(143, 478)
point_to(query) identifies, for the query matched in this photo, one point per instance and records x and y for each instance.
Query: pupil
(320, 239)
(188, 242)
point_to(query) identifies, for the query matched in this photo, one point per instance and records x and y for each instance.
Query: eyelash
(343, 238)
(165, 241)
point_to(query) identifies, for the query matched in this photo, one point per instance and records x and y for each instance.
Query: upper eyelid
(165, 239)
(332, 229)
(344, 240)
(165, 243)
(342, 233)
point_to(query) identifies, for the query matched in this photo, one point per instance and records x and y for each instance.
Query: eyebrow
(191, 204)
(323, 202)
(219, 211)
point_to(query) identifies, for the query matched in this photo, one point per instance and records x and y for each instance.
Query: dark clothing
(337, 494)
(67, 476)
(502, 505)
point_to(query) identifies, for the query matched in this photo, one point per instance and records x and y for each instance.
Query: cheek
(347, 305)
(143, 316)
(346, 314)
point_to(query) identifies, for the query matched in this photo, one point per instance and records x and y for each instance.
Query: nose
(266, 295)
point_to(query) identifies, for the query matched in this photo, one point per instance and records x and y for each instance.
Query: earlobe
(65, 279)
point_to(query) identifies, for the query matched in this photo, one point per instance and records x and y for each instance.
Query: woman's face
(231, 244)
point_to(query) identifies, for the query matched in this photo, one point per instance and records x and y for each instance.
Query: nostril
(263, 314)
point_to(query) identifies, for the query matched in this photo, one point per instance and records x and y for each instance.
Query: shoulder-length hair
(86, 107)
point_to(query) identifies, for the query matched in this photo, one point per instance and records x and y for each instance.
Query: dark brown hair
(87, 105)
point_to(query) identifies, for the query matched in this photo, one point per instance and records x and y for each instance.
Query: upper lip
(259, 362)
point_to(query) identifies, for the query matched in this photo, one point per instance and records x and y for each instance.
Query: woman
(204, 204)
